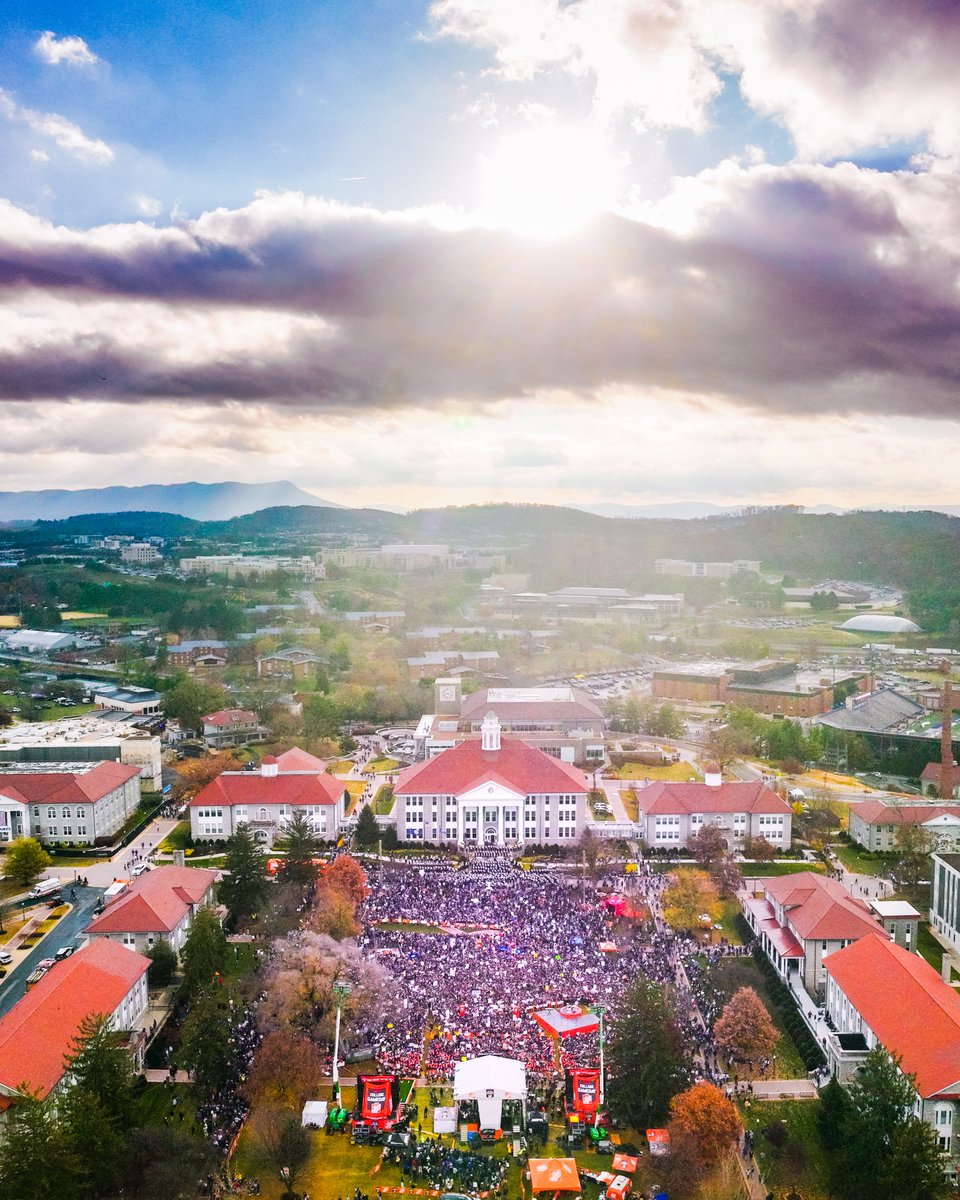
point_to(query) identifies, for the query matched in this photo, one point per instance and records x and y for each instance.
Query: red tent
(625, 1163)
(554, 1175)
(562, 1022)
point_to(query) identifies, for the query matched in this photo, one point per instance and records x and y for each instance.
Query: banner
(375, 1097)
(583, 1090)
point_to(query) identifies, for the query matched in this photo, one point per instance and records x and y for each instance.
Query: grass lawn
(342, 766)
(751, 870)
(9, 621)
(929, 947)
(381, 766)
(53, 712)
(629, 798)
(729, 911)
(383, 801)
(155, 1104)
(177, 839)
(681, 772)
(853, 860)
(727, 977)
(241, 958)
(414, 927)
(801, 1162)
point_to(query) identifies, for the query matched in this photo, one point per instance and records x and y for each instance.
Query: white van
(5, 958)
(46, 887)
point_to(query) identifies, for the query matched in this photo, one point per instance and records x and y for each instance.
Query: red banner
(375, 1094)
(584, 1090)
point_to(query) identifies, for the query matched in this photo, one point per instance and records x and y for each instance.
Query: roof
(820, 908)
(296, 759)
(66, 787)
(874, 713)
(296, 788)
(229, 716)
(895, 910)
(875, 812)
(661, 797)
(36, 1034)
(472, 1077)
(878, 623)
(931, 773)
(554, 1175)
(466, 766)
(207, 644)
(510, 704)
(909, 1008)
(156, 902)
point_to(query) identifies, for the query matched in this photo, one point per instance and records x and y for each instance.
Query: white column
(459, 821)
(500, 823)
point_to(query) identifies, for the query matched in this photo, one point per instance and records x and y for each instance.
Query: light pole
(341, 989)
(600, 1011)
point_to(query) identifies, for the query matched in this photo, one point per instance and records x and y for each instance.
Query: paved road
(64, 932)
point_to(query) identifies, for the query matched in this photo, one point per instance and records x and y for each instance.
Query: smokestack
(946, 742)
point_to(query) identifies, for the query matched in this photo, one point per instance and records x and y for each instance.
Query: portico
(14, 819)
(489, 815)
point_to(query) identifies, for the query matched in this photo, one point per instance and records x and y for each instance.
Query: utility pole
(341, 989)
(601, 1009)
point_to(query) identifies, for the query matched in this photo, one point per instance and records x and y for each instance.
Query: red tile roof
(515, 765)
(663, 797)
(36, 1034)
(875, 812)
(297, 788)
(299, 760)
(580, 706)
(66, 787)
(820, 908)
(156, 902)
(909, 1008)
(931, 773)
(230, 716)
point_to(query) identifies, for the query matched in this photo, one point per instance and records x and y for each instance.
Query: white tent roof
(314, 1113)
(475, 1077)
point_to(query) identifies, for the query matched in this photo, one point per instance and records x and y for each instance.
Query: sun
(547, 180)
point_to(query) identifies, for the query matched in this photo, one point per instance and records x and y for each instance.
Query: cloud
(840, 75)
(73, 51)
(804, 289)
(64, 133)
(148, 206)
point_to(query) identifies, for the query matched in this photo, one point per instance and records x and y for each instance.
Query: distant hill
(133, 524)
(682, 509)
(201, 501)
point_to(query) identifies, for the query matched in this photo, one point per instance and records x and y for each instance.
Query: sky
(551, 251)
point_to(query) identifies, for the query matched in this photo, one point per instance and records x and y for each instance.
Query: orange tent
(554, 1175)
(625, 1162)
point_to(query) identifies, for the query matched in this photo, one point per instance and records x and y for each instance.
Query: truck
(44, 887)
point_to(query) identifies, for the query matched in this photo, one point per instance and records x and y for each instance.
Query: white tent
(490, 1080)
(314, 1113)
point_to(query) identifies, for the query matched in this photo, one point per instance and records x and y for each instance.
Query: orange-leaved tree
(744, 1030)
(704, 1122)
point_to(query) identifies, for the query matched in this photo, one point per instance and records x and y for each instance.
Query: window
(66, 813)
(81, 831)
(68, 831)
(36, 810)
(51, 813)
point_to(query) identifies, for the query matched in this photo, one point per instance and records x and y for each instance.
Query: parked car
(64, 952)
(140, 868)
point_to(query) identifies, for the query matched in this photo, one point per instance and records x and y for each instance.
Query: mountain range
(201, 501)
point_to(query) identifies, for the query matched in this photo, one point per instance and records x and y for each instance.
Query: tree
(879, 1135)
(367, 831)
(758, 849)
(915, 1170)
(284, 1145)
(189, 700)
(832, 1114)
(94, 1141)
(36, 1162)
(24, 860)
(688, 898)
(346, 875)
(321, 717)
(708, 845)
(204, 952)
(647, 1064)
(162, 1163)
(163, 963)
(914, 845)
(334, 915)
(286, 1070)
(300, 847)
(195, 773)
(100, 1066)
(744, 1030)
(705, 1122)
(244, 886)
(206, 1041)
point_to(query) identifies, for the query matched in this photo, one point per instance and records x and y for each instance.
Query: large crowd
(512, 943)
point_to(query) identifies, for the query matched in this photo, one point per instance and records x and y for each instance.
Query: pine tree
(831, 1115)
(244, 888)
(300, 848)
(206, 1040)
(99, 1065)
(646, 1062)
(163, 963)
(36, 1162)
(204, 952)
(367, 831)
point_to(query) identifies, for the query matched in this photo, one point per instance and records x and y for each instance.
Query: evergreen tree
(647, 1065)
(100, 1067)
(300, 848)
(367, 830)
(915, 1168)
(35, 1158)
(204, 952)
(94, 1141)
(206, 1040)
(244, 887)
(161, 1163)
(163, 963)
(832, 1115)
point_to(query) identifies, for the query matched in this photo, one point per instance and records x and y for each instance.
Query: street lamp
(341, 989)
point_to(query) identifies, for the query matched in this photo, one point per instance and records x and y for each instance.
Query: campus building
(493, 791)
(876, 824)
(159, 906)
(266, 800)
(69, 803)
(670, 814)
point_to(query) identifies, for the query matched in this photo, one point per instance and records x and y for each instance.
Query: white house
(158, 906)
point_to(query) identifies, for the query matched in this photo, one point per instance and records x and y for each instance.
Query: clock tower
(446, 697)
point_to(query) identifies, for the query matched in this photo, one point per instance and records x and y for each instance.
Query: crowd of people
(222, 1114)
(513, 943)
(430, 1164)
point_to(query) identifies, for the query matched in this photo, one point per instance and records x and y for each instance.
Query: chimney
(269, 767)
(712, 775)
(490, 732)
(946, 742)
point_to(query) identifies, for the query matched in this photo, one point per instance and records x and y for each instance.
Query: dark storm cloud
(800, 289)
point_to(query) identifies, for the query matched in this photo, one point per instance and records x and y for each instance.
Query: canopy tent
(314, 1113)
(490, 1080)
(563, 1022)
(626, 1164)
(554, 1175)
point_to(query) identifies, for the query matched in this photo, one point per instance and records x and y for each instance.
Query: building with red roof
(36, 1035)
(876, 823)
(670, 814)
(931, 774)
(67, 803)
(492, 792)
(802, 919)
(266, 800)
(879, 994)
(231, 727)
(158, 906)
